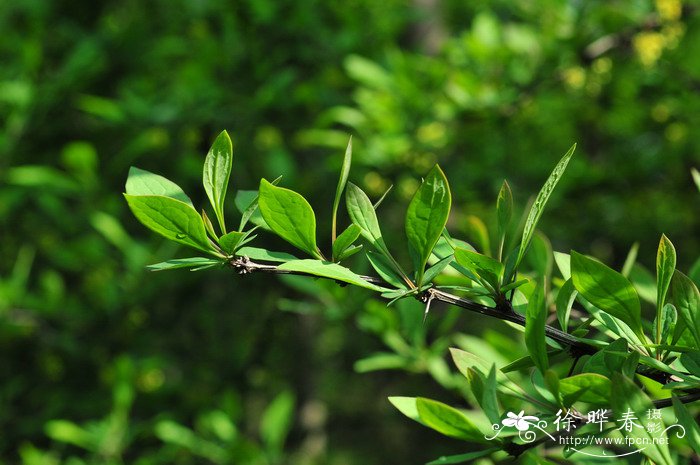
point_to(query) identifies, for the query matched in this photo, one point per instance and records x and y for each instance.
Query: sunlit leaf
(217, 171)
(426, 217)
(540, 202)
(142, 182)
(171, 218)
(606, 289)
(290, 216)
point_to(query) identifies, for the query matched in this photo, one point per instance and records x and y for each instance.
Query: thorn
(427, 305)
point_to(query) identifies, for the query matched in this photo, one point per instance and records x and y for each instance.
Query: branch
(502, 312)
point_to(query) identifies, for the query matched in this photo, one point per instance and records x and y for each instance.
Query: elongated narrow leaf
(447, 420)
(194, 262)
(363, 215)
(217, 171)
(487, 268)
(171, 218)
(142, 182)
(696, 177)
(540, 202)
(289, 216)
(256, 253)
(247, 203)
(344, 173)
(432, 272)
(665, 266)
(329, 270)
(427, 215)
(606, 289)
(629, 399)
(345, 240)
(565, 300)
(535, 320)
(686, 298)
(277, 420)
(504, 208)
(630, 260)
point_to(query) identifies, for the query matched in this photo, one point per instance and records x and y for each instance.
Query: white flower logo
(520, 421)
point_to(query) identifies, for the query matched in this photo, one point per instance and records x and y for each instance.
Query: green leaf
(565, 300)
(665, 265)
(426, 217)
(586, 387)
(630, 260)
(349, 252)
(627, 397)
(217, 170)
(289, 216)
(363, 215)
(329, 270)
(385, 270)
(462, 458)
(686, 298)
(407, 406)
(172, 219)
(696, 177)
(686, 420)
(540, 202)
(607, 289)
(535, 320)
(208, 226)
(669, 318)
(344, 173)
(447, 420)
(432, 272)
(247, 203)
(194, 262)
(464, 360)
(345, 240)
(479, 234)
(488, 269)
(142, 182)
(277, 420)
(381, 361)
(256, 253)
(230, 241)
(504, 207)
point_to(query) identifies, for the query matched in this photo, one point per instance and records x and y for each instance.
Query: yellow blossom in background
(648, 45)
(574, 77)
(669, 10)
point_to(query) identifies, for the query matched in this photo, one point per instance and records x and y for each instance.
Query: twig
(504, 311)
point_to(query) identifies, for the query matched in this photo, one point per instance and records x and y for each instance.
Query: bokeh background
(105, 363)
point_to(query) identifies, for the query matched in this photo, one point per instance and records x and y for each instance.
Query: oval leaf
(172, 219)
(686, 298)
(289, 216)
(606, 289)
(665, 266)
(142, 182)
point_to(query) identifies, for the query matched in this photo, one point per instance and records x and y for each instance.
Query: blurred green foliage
(104, 363)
